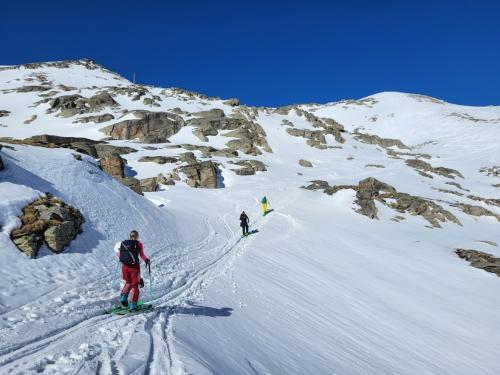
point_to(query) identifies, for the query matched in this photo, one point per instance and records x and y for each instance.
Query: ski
(120, 310)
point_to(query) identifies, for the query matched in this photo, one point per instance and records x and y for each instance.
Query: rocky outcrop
(201, 174)
(158, 159)
(96, 149)
(50, 221)
(481, 260)
(475, 210)
(305, 163)
(149, 184)
(315, 138)
(4, 113)
(233, 102)
(249, 167)
(70, 105)
(33, 88)
(382, 142)
(393, 154)
(113, 164)
(167, 179)
(95, 119)
(374, 166)
(149, 127)
(491, 171)
(370, 190)
(132, 183)
(422, 167)
(209, 151)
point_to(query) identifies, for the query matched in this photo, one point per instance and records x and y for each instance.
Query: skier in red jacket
(129, 252)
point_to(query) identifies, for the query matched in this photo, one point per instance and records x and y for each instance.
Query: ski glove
(148, 262)
(141, 283)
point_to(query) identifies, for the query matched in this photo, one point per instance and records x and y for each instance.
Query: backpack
(264, 200)
(129, 252)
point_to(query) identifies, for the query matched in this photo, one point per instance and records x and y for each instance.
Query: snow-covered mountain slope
(319, 288)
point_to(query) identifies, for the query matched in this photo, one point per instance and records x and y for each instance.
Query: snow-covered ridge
(320, 287)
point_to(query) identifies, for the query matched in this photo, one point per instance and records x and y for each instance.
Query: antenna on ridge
(133, 79)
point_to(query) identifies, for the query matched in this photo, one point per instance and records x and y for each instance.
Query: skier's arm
(117, 249)
(141, 253)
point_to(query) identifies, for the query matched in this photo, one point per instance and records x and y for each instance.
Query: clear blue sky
(272, 52)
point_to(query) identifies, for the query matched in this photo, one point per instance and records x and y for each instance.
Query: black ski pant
(244, 227)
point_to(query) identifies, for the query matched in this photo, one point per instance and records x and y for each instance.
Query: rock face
(4, 113)
(475, 210)
(132, 183)
(47, 220)
(382, 142)
(488, 171)
(201, 174)
(113, 164)
(250, 167)
(70, 105)
(96, 119)
(480, 260)
(370, 190)
(149, 127)
(305, 163)
(149, 184)
(168, 179)
(424, 167)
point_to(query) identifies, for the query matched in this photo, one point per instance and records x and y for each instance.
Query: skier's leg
(243, 229)
(134, 286)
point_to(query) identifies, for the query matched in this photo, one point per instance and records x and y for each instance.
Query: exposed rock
(58, 236)
(201, 174)
(4, 113)
(375, 165)
(96, 119)
(396, 154)
(250, 167)
(149, 184)
(188, 157)
(168, 179)
(158, 159)
(32, 89)
(233, 102)
(491, 243)
(456, 185)
(77, 157)
(47, 220)
(382, 142)
(305, 163)
(70, 105)
(490, 201)
(475, 210)
(209, 151)
(113, 164)
(370, 190)
(481, 260)
(132, 183)
(491, 171)
(211, 113)
(30, 120)
(423, 167)
(150, 127)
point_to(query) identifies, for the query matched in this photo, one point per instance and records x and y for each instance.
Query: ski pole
(150, 285)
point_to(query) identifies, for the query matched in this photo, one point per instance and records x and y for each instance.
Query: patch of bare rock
(481, 260)
(50, 221)
(424, 168)
(370, 190)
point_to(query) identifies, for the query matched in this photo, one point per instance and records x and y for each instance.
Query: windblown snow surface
(318, 289)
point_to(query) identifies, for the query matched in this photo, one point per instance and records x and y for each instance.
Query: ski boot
(124, 300)
(133, 306)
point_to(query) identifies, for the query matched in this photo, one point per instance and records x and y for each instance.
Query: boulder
(47, 220)
(113, 164)
(423, 166)
(151, 127)
(305, 163)
(201, 174)
(250, 167)
(188, 157)
(132, 183)
(382, 142)
(29, 244)
(149, 184)
(30, 120)
(70, 105)
(233, 102)
(168, 179)
(4, 113)
(59, 236)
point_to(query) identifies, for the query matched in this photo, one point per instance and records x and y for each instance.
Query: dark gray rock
(423, 166)
(132, 183)
(382, 142)
(481, 260)
(201, 174)
(96, 119)
(149, 184)
(305, 163)
(158, 159)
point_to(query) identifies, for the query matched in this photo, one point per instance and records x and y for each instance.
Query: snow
(317, 289)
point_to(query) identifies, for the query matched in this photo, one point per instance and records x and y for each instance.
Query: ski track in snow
(156, 323)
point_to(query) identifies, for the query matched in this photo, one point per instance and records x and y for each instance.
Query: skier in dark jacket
(244, 220)
(129, 252)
